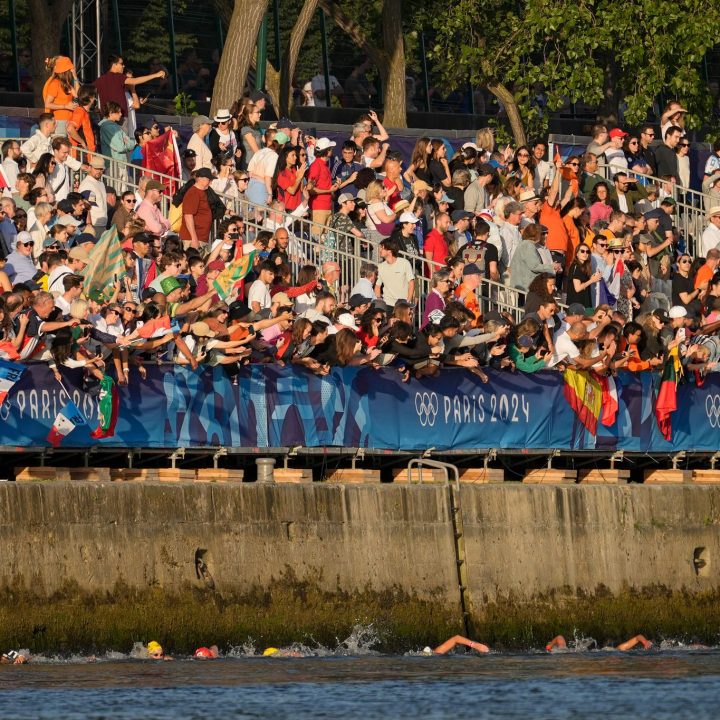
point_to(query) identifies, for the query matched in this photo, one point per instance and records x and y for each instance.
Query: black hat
(82, 238)
(471, 269)
(256, 95)
(662, 315)
(204, 173)
(189, 153)
(238, 310)
(284, 122)
(458, 215)
(357, 300)
(575, 309)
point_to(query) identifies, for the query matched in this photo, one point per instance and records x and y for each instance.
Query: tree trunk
(237, 53)
(509, 102)
(47, 28)
(290, 58)
(393, 71)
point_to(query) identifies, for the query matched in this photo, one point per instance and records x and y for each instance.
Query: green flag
(105, 264)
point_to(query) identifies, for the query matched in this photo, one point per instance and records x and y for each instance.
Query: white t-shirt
(395, 280)
(263, 163)
(565, 349)
(259, 293)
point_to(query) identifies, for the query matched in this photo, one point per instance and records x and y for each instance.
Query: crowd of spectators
(485, 257)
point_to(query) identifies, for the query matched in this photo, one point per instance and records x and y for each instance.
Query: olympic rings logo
(426, 406)
(712, 409)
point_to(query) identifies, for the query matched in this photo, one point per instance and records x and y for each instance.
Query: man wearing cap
(319, 182)
(201, 126)
(172, 289)
(20, 267)
(404, 233)
(76, 263)
(93, 185)
(148, 210)
(461, 220)
(710, 238)
(466, 292)
(343, 225)
(196, 213)
(531, 203)
(188, 164)
(615, 155)
(145, 268)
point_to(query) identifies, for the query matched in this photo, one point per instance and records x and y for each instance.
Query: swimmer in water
(558, 643)
(448, 645)
(205, 653)
(279, 652)
(155, 651)
(13, 657)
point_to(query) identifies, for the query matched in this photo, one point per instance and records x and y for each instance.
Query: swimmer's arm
(448, 645)
(557, 642)
(633, 642)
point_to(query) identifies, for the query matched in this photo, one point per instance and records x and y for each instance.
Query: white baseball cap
(677, 311)
(408, 217)
(348, 321)
(324, 143)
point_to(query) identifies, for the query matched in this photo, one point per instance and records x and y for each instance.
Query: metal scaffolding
(85, 38)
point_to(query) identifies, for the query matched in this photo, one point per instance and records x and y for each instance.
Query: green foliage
(149, 38)
(184, 105)
(566, 50)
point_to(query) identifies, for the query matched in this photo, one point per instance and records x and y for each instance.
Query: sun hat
(408, 217)
(324, 143)
(200, 120)
(222, 115)
(202, 329)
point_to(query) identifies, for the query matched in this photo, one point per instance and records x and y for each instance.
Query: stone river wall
(100, 565)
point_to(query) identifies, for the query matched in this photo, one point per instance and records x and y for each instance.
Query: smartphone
(680, 335)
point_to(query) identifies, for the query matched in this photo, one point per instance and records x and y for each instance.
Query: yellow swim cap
(270, 651)
(154, 647)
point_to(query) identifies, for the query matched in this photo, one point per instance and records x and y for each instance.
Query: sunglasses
(582, 252)
(523, 155)
(601, 246)
(243, 179)
(574, 164)
(155, 127)
(618, 252)
(129, 308)
(684, 144)
(685, 262)
(27, 244)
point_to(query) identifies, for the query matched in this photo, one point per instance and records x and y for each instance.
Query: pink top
(600, 211)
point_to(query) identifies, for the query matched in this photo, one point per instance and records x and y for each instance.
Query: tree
(388, 59)
(292, 51)
(238, 52)
(49, 18)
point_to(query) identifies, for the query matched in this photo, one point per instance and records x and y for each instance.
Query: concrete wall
(370, 551)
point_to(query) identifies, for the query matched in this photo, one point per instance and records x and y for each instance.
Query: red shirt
(195, 203)
(111, 86)
(287, 179)
(436, 244)
(319, 173)
(394, 196)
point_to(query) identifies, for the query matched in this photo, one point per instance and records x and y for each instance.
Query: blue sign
(268, 406)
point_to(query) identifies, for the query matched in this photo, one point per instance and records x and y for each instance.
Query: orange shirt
(80, 118)
(54, 89)
(704, 274)
(469, 299)
(557, 239)
(573, 237)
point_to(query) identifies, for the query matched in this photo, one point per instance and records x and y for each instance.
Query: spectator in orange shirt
(571, 217)
(632, 334)
(466, 292)
(60, 90)
(79, 127)
(705, 273)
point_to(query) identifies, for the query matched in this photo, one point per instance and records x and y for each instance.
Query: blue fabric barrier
(272, 406)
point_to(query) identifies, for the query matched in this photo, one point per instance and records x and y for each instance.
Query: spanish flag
(585, 394)
(666, 403)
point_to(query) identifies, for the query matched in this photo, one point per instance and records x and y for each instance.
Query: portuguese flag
(585, 394)
(666, 403)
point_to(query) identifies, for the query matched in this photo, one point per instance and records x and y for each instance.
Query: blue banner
(267, 406)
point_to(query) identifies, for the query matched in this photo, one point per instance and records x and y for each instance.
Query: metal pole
(261, 55)
(173, 58)
(116, 13)
(326, 59)
(472, 98)
(423, 58)
(221, 36)
(98, 40)
(13, 43)
(276, 30)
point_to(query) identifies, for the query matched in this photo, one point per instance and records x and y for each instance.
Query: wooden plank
(482, 475)
(90, 474)
(667, 477)
(293, 475)
(428, 474)
(175, 475)
(706, 476)
(550, 476)
(134, 474)
(604, 477)
(219, 475)
(34, 474)
(350, 475)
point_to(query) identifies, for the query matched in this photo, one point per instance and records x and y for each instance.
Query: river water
(660, 683)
